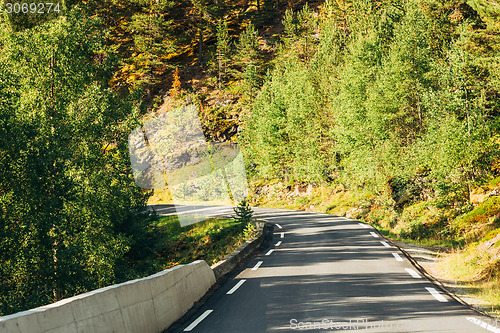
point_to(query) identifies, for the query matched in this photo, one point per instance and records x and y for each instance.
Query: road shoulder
(425, 258)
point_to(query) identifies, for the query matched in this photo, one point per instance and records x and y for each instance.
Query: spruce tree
(223, 50)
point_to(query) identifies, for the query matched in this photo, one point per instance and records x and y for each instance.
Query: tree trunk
(220, 72)
(200, 46)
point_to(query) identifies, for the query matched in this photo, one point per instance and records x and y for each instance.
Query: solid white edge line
(385, 244)
(269, 252)
(413, 273)
(282, 235)
(373, 234)
(278, 244)
(257, 265)
(363, 225)
(397, 256)
(230, 292)
(436, 294)
(278, 226)
(197, 321)
(483, 324)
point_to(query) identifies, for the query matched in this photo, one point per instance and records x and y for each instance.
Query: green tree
(460, 142)
(248, 58)
(244, 213)
(204, 15)
(284, 127)
(69, 207)
(222, 52)
(152, 33)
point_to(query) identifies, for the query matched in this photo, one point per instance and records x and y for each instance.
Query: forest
(387, 110)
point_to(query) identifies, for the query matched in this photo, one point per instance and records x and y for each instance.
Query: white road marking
(282, 235)
(363, 225)
(415, 250)
(398, 258)
(385, 244)
(413, 273)
(279, 226)
(374, 234)
(278, 244)
(257, 265)
(436, 294)
(236, 287)
(197, 321)
(269, 252)
(483, 324)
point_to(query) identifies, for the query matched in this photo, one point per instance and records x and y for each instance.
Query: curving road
(326, 274)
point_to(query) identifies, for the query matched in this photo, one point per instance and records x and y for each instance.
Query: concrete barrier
(230, 262)
(147, 305)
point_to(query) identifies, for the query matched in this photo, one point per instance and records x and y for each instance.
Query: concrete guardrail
(145, 305)
(230, 262)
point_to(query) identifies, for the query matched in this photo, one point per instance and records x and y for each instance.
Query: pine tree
(249, 60)
(153, 40)
(223, 49)
(243, 212)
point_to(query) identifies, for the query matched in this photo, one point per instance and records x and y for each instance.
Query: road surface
(326, 274)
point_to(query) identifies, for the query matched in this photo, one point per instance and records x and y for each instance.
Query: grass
(389, 233)
(476, 274)
(493, 183)
(464, 266)
(478, 222)
(210, 240)
(489, 292)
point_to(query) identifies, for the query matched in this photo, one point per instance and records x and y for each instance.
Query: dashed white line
(413, 273)
(282, 235)
(269, 252)
(197, 321)
(257, 265)
(278, 244)
(483, 324)
(385, 244)
(278, 226)
(436, 294)
(230, 292)
(398, 258)
(374, 234)
(363, 225)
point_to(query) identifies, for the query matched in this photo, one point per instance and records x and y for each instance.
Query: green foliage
(223, 50)
(249, 60)
(151, 27)
(244, 213)
(209, 240)
(287, 131)
(250, 231)
(71, 216)
(480, 214)
(391, 89)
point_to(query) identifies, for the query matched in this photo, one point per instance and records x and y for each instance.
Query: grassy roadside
(469, 232)
(476, 274)
(210, 240)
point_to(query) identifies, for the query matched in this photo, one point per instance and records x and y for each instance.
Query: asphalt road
(326, 274)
